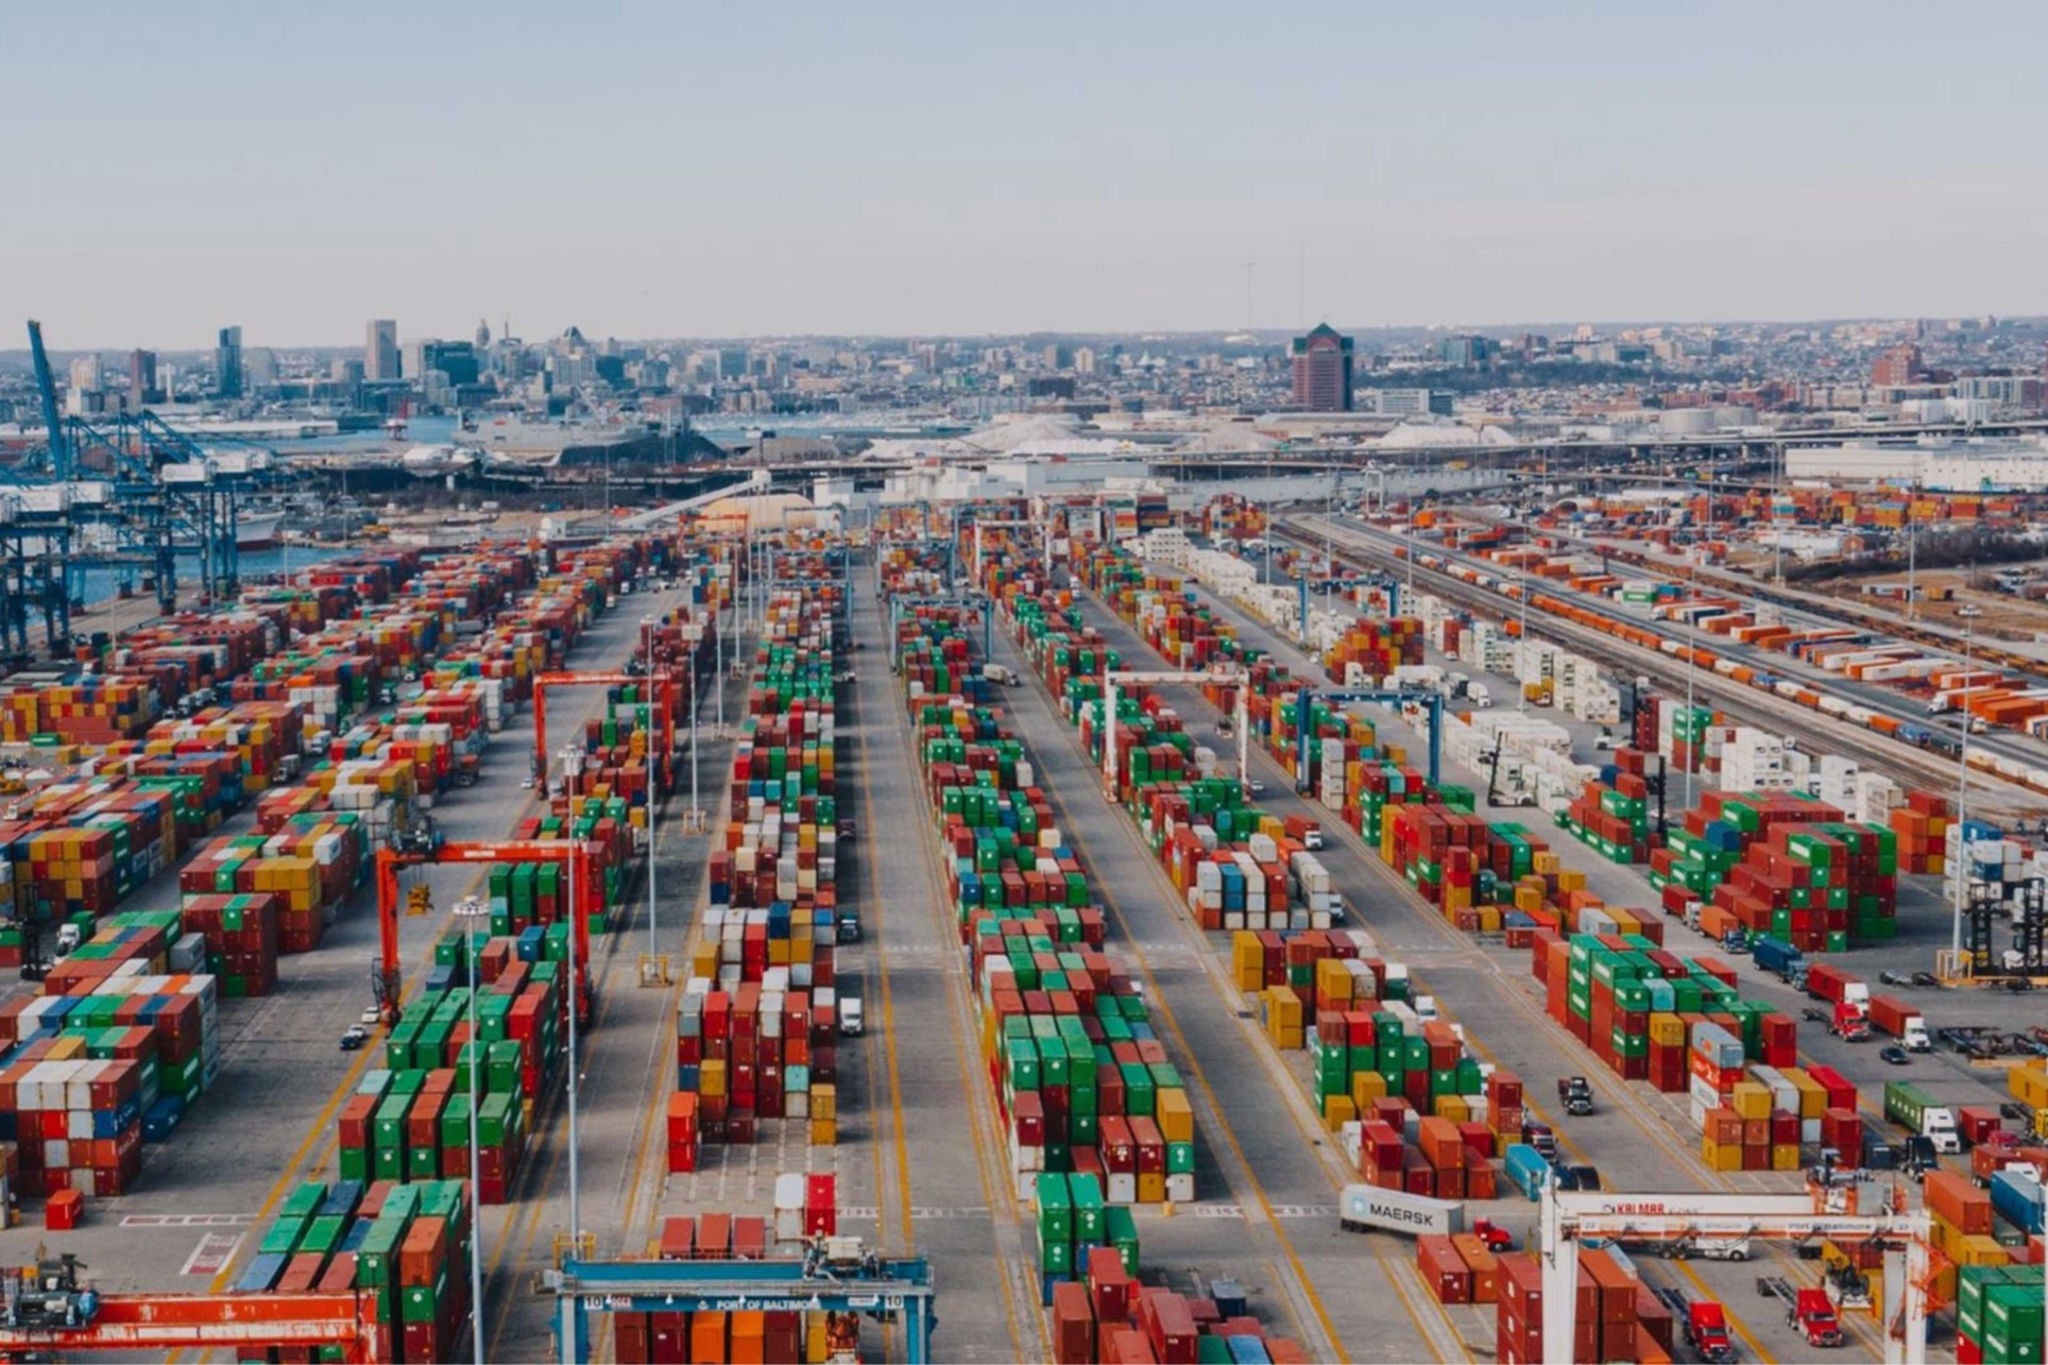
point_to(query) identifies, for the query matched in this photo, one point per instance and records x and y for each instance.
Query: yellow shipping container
(1174, 1115)
(2029, 1084)
(1247, 962)
(1717, 1156)
(1751, 1100)
(1338, 1110)
(1367, 1086)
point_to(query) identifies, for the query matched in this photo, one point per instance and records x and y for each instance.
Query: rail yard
(1052, 934)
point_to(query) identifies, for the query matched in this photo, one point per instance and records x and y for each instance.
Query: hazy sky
(679, 168)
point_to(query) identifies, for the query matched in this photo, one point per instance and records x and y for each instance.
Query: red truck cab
(1706, 1331)
(1814, 1315)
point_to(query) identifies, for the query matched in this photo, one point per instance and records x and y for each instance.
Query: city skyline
(664, 171)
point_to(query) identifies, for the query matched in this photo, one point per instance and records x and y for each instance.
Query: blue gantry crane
(1306, 699)
(973, 600)
(833, 1277)
(124, 491)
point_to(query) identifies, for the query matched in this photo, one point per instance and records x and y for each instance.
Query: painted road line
(187, 1220)
(215, 1250)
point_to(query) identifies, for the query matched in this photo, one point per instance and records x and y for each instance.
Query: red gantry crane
(47, 1310)
(585, 894)
(661, 679)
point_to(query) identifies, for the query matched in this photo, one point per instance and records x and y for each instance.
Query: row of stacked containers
(123, 1036)
(406, 1245)
(756, 1037)
(1082, 1081)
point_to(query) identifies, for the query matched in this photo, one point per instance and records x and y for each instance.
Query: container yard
(766, 934)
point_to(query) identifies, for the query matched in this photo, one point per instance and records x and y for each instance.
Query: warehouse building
(1943, 466)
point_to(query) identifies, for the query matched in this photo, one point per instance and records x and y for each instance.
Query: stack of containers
(241, 937)
(1784, 865)
(1921, 828)
(312, 864)
(1998, 1314)
(408, 1244)
(1075, 1220)
(1641, 1008)
(1617, 1316)
(1962, 1219)
(1372, 648)
(1612, 814)
(1107, 1316)
(756, 1035)
(413, 1125)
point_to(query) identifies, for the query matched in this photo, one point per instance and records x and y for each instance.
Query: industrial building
(1984, 465)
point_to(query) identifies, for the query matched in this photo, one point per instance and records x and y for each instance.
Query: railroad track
(1742, 701)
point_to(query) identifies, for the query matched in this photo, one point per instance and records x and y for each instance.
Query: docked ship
(257, 530)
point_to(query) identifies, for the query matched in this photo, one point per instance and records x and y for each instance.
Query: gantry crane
(47, 1311)
(1827, 1209)
(662, 680)
(836, 1276)
(974, 601)
(585, 893)
(1223, 675)
(1392, 696)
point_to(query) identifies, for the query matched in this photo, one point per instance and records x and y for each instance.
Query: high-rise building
(1084, 361)
(227, 363)
(1897, 366)
(259, 368)
(142, 388)
(1322, 371)
(456, 359)
(483, 335)
(380, 350)
(85, 373)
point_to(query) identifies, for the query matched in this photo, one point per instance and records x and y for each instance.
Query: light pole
(469, 908)
(653, 738)
(1521, 635)
(1961, 881)
(572, 768)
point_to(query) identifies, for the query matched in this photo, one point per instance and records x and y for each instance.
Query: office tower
(380, 350)
(1897, 366)
(141, 378)
(1322, 371)
(227, 363)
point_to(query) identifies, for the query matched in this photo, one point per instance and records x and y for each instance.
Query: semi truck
(1776, 956)
(1901, 1021)
(1368, 1208)
(1913, 1110)
(1809, 1311)
(1307, 832)
(1706, 1331)
(1825, 981)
